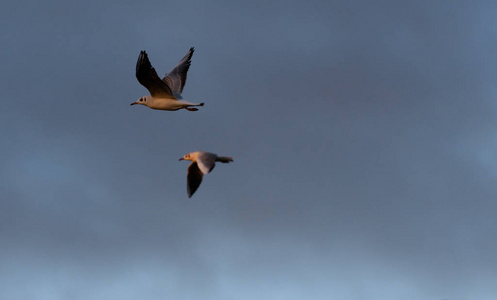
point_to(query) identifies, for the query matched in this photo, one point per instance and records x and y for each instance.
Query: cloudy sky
(364, 136)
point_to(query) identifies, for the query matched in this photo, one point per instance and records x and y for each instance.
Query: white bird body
(202, 164)
(166, 103)
(165, 93)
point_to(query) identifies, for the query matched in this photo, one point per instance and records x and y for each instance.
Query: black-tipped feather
(176, 78)
(147, 76)
(194, 179)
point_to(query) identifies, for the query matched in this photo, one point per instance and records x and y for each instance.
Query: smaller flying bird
(202, 164)
(165, 94)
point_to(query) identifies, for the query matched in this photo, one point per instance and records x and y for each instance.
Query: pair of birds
(165, 94)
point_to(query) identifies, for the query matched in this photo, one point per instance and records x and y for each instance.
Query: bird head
(143, 101)
(188, 156)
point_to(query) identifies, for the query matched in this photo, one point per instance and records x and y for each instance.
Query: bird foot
(191, 108)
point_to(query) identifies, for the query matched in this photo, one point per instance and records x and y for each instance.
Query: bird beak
(134, 103)
(181, 159)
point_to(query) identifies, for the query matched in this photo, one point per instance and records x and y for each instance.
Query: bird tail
(224, 159)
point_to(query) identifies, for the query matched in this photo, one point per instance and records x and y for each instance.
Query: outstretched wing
(206, 161)
(194, 178)
(176, 78)
(147, 76)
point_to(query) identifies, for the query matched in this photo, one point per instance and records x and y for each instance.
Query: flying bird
(165, 94)
(202, 164)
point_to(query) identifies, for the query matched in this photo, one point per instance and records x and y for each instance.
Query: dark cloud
(362, 134)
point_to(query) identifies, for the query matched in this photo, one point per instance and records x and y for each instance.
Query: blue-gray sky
(363, 134)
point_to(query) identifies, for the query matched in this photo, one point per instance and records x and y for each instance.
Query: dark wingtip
(201, 104)
(143, 56)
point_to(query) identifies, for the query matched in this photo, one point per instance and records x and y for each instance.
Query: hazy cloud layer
(363, 136)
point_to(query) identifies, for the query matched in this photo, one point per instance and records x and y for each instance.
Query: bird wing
(206, 161)
(194, 178)
(176, 78)
(147, 76)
